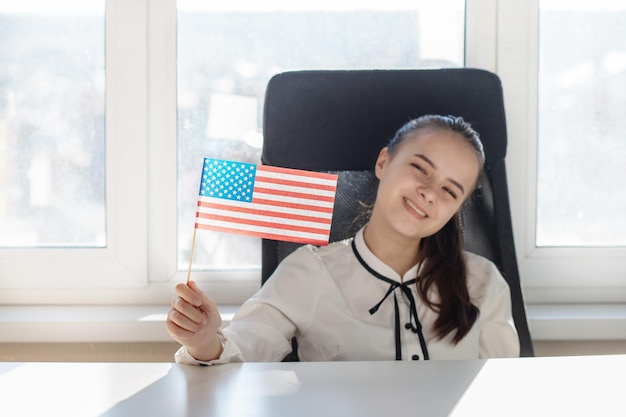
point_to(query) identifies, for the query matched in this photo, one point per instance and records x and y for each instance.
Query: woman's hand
(193, 322)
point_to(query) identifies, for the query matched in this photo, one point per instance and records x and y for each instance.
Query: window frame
(549, 275)
(122, 263)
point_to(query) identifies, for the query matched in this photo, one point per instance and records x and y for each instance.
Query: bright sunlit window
(581, 127)
(52, 158)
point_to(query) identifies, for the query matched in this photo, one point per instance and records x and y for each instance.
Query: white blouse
(323, 296)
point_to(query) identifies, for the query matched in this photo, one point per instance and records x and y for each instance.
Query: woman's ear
(381, 161)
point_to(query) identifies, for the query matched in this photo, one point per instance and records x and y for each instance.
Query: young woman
(401, 288)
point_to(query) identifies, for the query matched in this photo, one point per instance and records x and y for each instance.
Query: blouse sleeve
(498, 335)
(264, 325)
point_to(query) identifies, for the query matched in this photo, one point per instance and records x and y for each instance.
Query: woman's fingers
(177, 328)
(186, 315)
(207, 305)
(193, 319)
(184, 322)
(188, 293)
(203, 299)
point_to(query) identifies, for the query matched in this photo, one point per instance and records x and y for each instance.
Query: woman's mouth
(416, 209)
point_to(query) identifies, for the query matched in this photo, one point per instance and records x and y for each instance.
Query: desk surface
(564, 386)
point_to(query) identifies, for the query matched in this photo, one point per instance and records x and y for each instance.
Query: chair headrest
(356, 112)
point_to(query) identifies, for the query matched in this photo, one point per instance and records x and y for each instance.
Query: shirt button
(415, 357)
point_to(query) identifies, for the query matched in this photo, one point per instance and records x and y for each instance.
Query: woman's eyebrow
(432, 164)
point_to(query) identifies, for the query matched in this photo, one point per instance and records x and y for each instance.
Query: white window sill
(87, 324)
(93, 324)
(577, 321)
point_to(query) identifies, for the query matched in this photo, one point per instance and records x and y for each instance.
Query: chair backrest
(338, 121)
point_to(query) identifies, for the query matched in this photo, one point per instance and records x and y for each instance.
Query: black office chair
(339, 120)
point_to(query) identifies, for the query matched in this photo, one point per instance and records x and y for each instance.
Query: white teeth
(418, 211)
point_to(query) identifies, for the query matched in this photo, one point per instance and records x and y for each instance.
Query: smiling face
(423, 183)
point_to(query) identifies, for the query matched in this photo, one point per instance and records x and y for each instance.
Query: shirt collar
(375, 263)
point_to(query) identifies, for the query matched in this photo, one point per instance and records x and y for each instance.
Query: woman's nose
(427, 194)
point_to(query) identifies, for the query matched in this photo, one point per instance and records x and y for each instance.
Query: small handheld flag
(265, 201)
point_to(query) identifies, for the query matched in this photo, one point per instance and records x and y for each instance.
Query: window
(116, 138)
(52, 127)
(72, 135)
(561, 63)
(580, 137)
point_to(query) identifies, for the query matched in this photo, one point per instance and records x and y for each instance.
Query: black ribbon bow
(414, 323)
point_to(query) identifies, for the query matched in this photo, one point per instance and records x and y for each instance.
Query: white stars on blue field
(228, 180)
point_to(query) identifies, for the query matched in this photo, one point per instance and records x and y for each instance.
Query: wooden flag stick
(193, 245)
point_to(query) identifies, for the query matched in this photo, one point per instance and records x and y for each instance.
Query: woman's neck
(398, 252)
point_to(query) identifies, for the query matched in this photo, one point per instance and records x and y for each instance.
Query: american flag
(266, 201)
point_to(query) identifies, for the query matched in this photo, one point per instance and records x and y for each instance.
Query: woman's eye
(450, 192)
(419, 168)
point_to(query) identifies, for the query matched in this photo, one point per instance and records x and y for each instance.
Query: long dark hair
(443, 263)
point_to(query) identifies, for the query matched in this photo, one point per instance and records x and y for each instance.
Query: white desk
(567, 386)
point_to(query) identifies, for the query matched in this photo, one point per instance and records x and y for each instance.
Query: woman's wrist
(210, 353)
